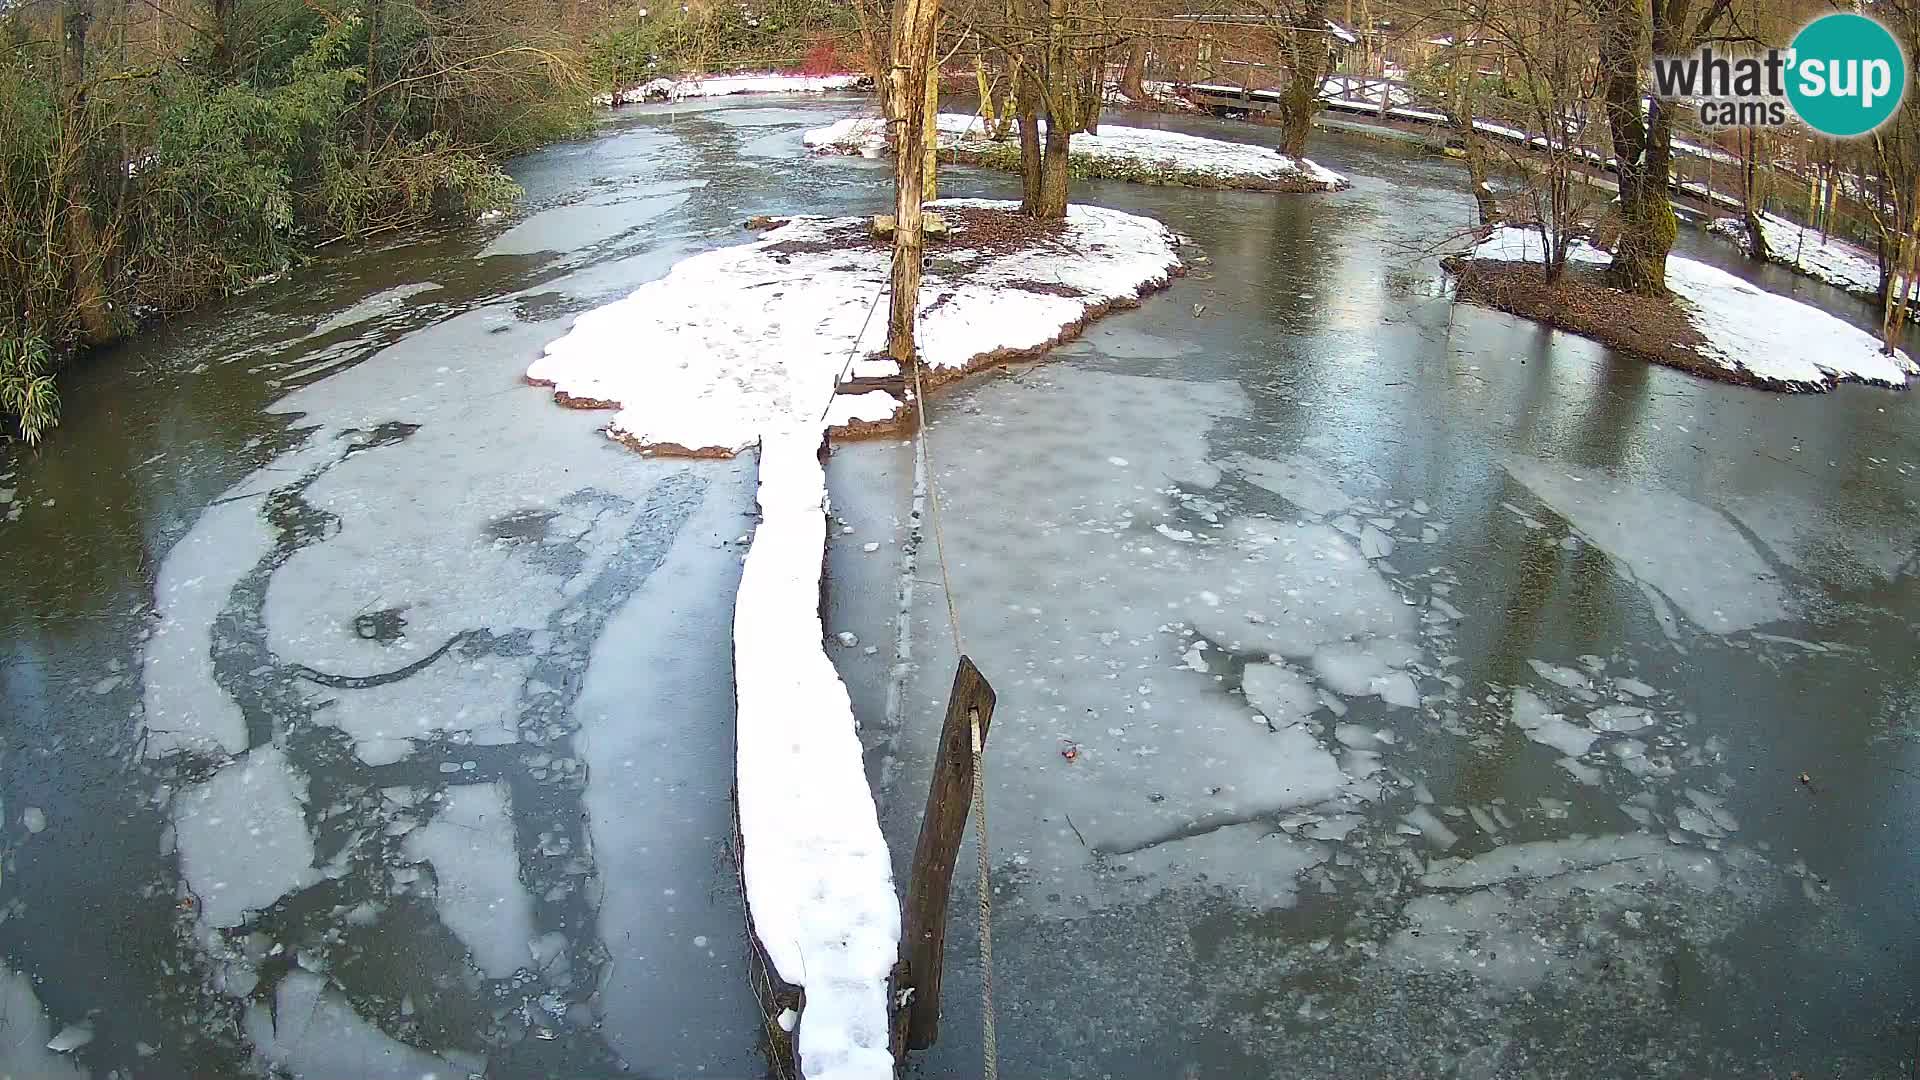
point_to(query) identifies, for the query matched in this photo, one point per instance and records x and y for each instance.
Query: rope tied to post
(989, 1038)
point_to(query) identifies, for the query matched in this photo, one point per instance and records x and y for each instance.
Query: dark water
(474, 659)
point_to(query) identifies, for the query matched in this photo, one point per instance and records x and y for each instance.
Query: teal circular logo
(1847, 74)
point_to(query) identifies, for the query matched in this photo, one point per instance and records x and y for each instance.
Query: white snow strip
(735, 342)
(1829, 259)
(818, 877)
(1776, 339)
(1228, 163)
(727, 85)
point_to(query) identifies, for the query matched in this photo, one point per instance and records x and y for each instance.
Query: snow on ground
(185, 709)
(1830, 259)
(695, 86)
(746, 345)
(692, 367)
(1774, 338)
(1158, 93)
(1122, 152)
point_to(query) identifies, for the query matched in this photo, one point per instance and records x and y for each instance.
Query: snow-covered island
(760, 336)
(706, 86)
(1806, 251)
(1716, 325)
(755, 344)
(1142, 155)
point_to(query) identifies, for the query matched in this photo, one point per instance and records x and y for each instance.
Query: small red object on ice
(1070, 751)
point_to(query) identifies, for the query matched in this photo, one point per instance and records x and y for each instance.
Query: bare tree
(1894, 154)
(1554, 81)
(1056, 52)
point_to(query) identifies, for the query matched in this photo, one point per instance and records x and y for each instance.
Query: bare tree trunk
(1032, 161)
(1751, 200)
(912, 59)
(1460, 114)
(222, 15)
(1133, 76)
(1053, 177)
(875, 39)
(75, 19)
(930, 168)
(374, 10)
(1306, 49)
(1647, 227)
(1897, 281)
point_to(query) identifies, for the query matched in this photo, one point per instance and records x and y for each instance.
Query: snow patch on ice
(470, 843)
(242, 836)
(25, 1051)
(313, 1032)
(1299, 480)
(1691, 553)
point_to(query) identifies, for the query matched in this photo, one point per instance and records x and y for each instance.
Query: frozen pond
(1385, 688)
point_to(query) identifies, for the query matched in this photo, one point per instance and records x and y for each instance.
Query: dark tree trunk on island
(1133, 76)
(1032, 164)
(1752, 198)
(1647, 226)
(1304, 46)
(1052, 205)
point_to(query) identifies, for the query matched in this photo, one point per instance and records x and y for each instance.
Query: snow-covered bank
(747, 339)
(696, 86)
(1143, 155)
(747, 345)
(1829, 259)
(1749, 334)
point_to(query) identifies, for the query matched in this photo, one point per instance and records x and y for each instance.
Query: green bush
(140, 189)
(27, 393)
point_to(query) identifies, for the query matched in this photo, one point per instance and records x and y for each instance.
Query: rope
(855, 348)
(989, 1041)
(989, 1038)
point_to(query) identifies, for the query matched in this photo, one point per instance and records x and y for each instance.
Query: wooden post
(929, 168)
(924, 931)
(913, 57)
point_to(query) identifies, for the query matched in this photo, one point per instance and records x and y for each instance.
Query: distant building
(1239, 50)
